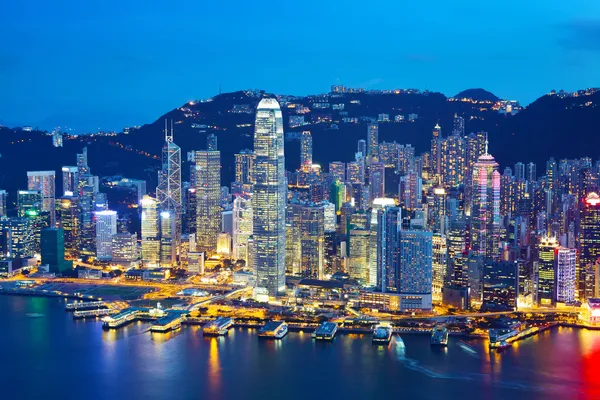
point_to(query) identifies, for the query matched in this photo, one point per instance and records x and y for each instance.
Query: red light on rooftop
(593, 199)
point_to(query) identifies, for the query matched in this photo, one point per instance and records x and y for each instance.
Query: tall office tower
(242, 226)
(415, 276)
(70, 221)
(500, 285)
(406, 159)
(358, 262)
(29, 202)
(438, 219)
(373, 142)
(439, 265)
(458, 125)
(211, 142)
(3, 203)
(83, 170)
(150, 232)
(551, 173)
(377, 180)
(168, 191)
(544, 274)
(244, 162)
(269, 198)
(389, 154)
(453, 160)
(337, 171)
(308, 220)
(410, 190)
(124, 249)
(330, 218)
(566, 284)
(589, 238)
(362, 147)
(88, 192)
(18, 237)
(306, 150)
(485, 211)
(387, 236)
(106, 228)
(474, 148)
(436, 152)
(531, 175)
(53, 250)
(520, 171)
(43, 181)
(355, 172)
(507, 204)
(189, 219)
(70, 180)
(208, 200)
(168, 235)
(224, 244)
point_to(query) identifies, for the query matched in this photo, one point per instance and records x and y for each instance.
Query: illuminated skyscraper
(453, 160)
(208, 200)
(544, 271)
(244, 162)
(358, 263)
(531, 172)
(415, 276)
(436, 152)
(485, 211)
(168, 191)
(355, 172)
(337, 171)
(17, 236)
(306, 150)
(150, 232)
(566, 284)
(362, 148)
(124, 249)
(458, 125)
(439, 264)
(83, 170)
(410, 190)
(106, 228)
(589, 237)
(3, 201)
(29, 202)
(168, 250)
(44, 182)
(387, 238)
(70, 221)
(373, 142)
(308, 220)
(53, 250)
(269, 198)
(70, 180)
(377, 180)
(242, 226)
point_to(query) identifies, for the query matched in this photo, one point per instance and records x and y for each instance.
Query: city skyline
(448, 49)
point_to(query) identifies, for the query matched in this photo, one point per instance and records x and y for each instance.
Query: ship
(218, 327)
(382, 333)
(326, 331)
(273, 330)
(467, 347)
(439, 336)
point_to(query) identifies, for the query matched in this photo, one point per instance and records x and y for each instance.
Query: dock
(85, 305)
(168, 323)
(101, 312)
(326, 331)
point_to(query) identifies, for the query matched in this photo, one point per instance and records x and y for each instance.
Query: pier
(101, 312)
(167, 323)
(85, 305)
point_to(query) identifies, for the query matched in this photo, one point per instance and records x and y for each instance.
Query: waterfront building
(358, 254)
(208, 199)
(439, 265)
(168, 238)
(385, 233)
(150, 232)
(589, 238)
(269, 198)
(500, 285)
(415, 275)
(124, 249)
(544, 274)
(565, 275)
(53, 250)
(106, 227)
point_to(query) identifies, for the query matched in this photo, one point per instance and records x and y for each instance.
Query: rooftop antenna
(486, 143)
(166, 132)
(170, 138)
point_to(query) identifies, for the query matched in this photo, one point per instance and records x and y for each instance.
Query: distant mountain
(477, 94)
(552, 126)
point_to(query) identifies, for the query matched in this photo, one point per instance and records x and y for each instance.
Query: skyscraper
(269, 198)
(545, 272)
(415, 276)
(242, 226)
(124, 249)
(106, 227)
(18, 237)
(337, 171)
(566, 284)
(211, 142)
(208, 200)
(389, 219)
(168, 235)
(29, 202)
(3, 201)
(377, 180)
(70, 221)
(589, 237)
(70, 180)
(309, 221)
(362, 148)
(436, 152)
(44, 182)
(53, 250)
(306, 150)
(373, 142)
(168, 191)
(485, 210)
(150, 232)
(244, 162)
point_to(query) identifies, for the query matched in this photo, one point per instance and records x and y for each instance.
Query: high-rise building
(485, 210)
(211, 142)
(44, 182)
(458, 125)
(362, 148)
(377, 180)
(124, 249)
(168, 235)
(269, 198)
(415, 276)
(70, 180)
(168, 191)
(208, 200)
(244, 162)
(388, 224)
(565, 278)
(439, 265)
(355, 172)
(70, 221)
(373, 142)
(544, 274)
(150, 232)
(436, 152)
(82, 167)
(306, 150)
(500, 285)
(53, 250)
(520, 171)
(242, 226)
(308, 220)
(3, 203)
(337, 171)
(410, 190)
(17, 237)
(29, 202)
(531, 172)
(453, 160)
(106, 228)
(589, 237)
(358, 262)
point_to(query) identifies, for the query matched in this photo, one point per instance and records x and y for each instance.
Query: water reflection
(214, 366)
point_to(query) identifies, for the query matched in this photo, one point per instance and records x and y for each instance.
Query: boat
(382, 333)
(439, 336)
(467, 347)
(326, 331)
(34, 315)
(273, 330)
(218, 327)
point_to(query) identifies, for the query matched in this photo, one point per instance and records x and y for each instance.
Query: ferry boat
(439, 336)
(382, 333)
(273, 330)
(326, 331)
(218, 327)
(467, 347)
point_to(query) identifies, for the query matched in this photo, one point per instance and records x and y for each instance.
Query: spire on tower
(486, 143)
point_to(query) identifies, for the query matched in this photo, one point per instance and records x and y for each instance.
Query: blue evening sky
(110, 63)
